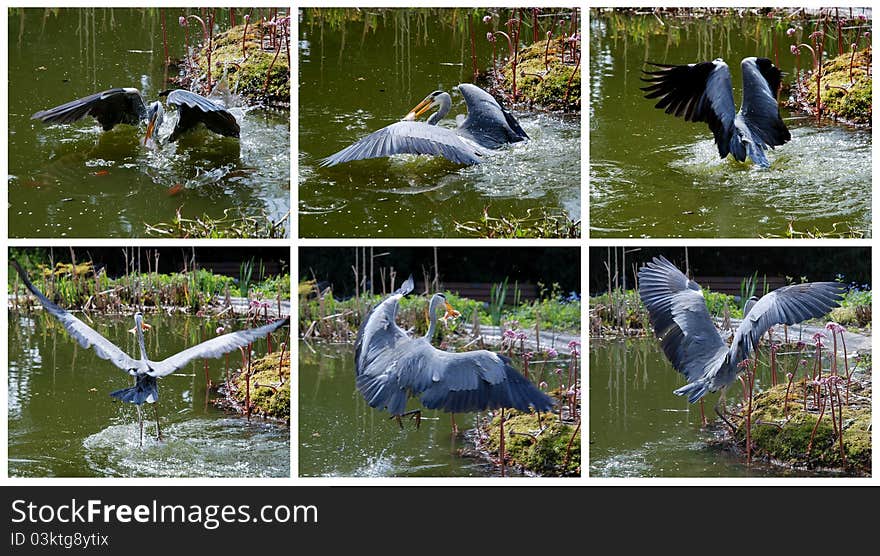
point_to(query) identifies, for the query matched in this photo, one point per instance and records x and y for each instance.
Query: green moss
(784, 434)
(542, 78)
(247, 65)
(268, 396)
(538, 447)
(843, 97)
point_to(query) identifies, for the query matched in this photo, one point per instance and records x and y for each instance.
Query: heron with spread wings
(703, 92)
(688, 335)
(126, 106)
(391, 367)
(488, 126)
(145, 371)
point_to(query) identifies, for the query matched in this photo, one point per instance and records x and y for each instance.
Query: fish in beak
(144, 327)
(450, 313)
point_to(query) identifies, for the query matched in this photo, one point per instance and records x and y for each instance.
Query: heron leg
(140, 427)
(720, 412)
(703, 414)
(454, 426)
(158, 430)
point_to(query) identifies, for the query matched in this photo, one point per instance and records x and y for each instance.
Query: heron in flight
(127, 106)
(487, 126)
(145, 371)
(692, 343)
(703, 92)
(391, 367)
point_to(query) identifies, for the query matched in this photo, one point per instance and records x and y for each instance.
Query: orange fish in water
(175, 189)
(102, 173)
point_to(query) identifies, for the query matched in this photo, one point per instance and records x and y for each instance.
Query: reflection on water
(65, 179)
(639, 428)
(655, 175)
(62, 421)
(351, 85)
(340, 435)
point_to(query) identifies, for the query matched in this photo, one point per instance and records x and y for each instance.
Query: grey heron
(702, 92)
(127, 106)
(391, 367)
(692, 343)
(145, 371)
(487, 126)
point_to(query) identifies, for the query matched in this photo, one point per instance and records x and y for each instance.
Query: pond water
(77, 181)
(63, 423)
(359, 76)
(654, 175)
(639, 428)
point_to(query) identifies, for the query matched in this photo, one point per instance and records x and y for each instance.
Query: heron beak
(150, 128)
(419, 109)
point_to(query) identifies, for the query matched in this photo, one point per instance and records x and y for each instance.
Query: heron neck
(439, 114)
(140, 337)
(432, 315)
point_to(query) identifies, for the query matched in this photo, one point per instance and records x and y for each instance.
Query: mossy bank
(543, 446)
(269, 390)
(844, 89)
(547, 76)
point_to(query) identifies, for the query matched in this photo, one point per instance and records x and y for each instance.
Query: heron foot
(414, 414)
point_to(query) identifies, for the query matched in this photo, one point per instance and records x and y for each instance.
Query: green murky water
(357, 77)
(63, 423)
(659, 176)
(639, 428)
(75, 181)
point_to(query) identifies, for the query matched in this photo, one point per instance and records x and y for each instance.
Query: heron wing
(194, 109)
(699, 92)
(760, 111)
(488, 123)
(110, 107)
(408, 137)
(787, 305)
(680, 318)
(214, 348)
(452, 382)
(379, 329)
(84, 334)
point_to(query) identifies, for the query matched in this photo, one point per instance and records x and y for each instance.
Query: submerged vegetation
(227, 227)
(537, 223)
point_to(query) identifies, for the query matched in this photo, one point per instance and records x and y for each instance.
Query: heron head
(437, 98)
(155, 115)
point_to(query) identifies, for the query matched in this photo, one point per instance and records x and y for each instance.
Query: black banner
(268, 519)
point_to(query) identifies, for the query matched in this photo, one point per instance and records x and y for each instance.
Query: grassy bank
(82, 285)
